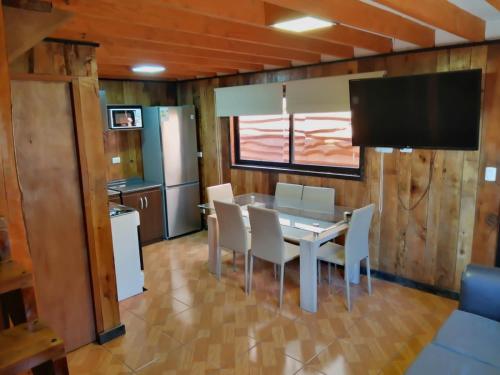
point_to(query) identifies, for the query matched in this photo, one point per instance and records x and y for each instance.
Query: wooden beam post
(88, 124)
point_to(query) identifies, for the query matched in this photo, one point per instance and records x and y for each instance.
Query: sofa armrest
(480, 291)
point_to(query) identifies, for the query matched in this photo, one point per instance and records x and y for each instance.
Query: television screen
(437, 111)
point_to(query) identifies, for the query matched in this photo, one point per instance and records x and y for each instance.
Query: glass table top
(292, 214)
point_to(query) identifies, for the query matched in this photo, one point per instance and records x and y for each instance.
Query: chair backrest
(267, 237)
(356, 242)
(232, 231)
(318, 198)
(289, 195)
(222, 192)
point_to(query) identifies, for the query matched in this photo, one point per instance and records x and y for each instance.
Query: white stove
(127, 250)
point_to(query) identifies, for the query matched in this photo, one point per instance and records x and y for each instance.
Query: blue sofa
(469, 341)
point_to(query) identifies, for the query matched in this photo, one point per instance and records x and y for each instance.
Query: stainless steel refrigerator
(170, 157)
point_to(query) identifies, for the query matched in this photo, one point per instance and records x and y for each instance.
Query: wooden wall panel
(488, 194)
(65, 62)
(49, 176)
(10, 197)
(430, 243)
(127, 144)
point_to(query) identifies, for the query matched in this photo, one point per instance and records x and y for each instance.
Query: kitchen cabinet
(149, 205)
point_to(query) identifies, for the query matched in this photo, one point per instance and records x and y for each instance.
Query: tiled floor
(188, 323)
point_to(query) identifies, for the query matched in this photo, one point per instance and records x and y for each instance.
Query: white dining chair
(233, 235)
(355, 250)
(288, 195)
(268, 243)
(319, 199)
(223, 192)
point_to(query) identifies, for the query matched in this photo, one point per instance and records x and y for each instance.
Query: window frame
(290, 167)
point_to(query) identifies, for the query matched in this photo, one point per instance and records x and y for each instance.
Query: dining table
(300, 225)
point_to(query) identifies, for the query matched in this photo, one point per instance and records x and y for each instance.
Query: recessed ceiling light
(148, 69)
(299, 25)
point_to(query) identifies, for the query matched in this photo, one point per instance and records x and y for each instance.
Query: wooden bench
(32, 346)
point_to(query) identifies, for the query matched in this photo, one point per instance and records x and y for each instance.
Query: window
(309, 143)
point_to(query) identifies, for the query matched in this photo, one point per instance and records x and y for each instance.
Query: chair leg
(329, 275)
(246, 272)
(250, 275)
(282, 276)
(369, 276)
(319, 272)
(347, 288)
(234, 261)
(219, 262)
(275, 273)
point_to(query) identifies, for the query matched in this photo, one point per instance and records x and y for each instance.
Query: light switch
(490, 174)
(116, 160)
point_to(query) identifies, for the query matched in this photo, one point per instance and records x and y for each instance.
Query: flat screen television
(436, 111)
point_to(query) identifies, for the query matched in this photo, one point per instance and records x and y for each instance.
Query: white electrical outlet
(116, 160)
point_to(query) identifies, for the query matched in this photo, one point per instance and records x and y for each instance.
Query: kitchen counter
(132, 186)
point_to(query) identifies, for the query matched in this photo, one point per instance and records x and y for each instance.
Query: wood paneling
(430, 243)
(65, 62)
(49, 176)
(127, 144)
(10, 197)
(488, 194)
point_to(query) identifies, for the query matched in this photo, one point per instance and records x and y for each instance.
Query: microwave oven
(125, 117)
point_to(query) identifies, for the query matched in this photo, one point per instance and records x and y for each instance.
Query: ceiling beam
(337, 33)
(494, 3)
(132, 61)
(25, 28)
(181, 59)
(364, 16)
(84, 26)
(195, 51)
(182, 20)
(147, 46)
(443, 15)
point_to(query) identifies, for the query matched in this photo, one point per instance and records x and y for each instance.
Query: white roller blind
(263, 99)
(325, 94)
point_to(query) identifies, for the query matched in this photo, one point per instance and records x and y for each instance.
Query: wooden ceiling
(202, 38)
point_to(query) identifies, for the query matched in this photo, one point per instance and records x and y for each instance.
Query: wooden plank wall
(127, 144)
(430, 243)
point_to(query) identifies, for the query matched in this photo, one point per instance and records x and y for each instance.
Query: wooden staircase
(24, 345)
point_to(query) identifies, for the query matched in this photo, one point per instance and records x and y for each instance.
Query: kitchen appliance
(170, 157)
(124, 117)
(127, 250)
